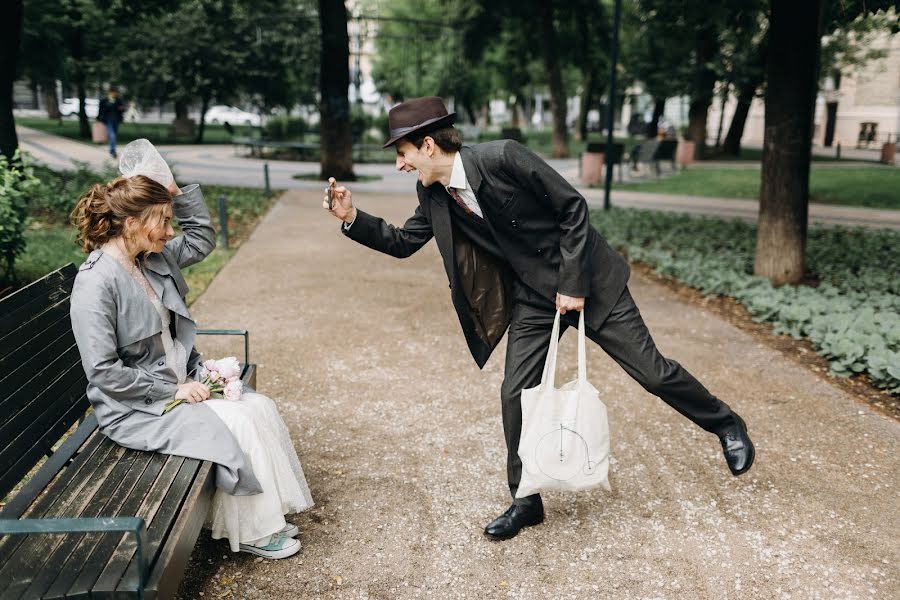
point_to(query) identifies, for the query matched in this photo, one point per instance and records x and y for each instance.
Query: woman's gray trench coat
(118, 332)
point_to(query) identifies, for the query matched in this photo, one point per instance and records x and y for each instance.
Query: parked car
(231, 115)
(69, 107)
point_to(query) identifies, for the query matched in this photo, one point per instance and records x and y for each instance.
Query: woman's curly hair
(101, 212)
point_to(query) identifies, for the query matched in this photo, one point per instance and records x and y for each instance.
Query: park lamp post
(611, 102)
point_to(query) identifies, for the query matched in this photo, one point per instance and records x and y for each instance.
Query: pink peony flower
(229, 368)
(233, 390)
(209, 365)
(214, 376)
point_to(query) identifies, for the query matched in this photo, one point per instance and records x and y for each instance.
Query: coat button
(161, 363)
(513, 223)
(148, 401)
(540, 250)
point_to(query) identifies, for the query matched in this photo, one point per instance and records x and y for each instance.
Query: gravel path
(401, 439)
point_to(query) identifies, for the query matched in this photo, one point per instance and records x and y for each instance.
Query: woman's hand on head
(174, 190)
(192, 391)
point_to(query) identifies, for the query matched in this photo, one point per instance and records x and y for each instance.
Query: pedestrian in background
(110, 113)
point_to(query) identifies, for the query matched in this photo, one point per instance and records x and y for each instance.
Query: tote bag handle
(548, 379)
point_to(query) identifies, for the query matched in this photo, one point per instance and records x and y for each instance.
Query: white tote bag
(565, 432)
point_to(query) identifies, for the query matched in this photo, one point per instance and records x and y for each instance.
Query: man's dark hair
(446, 138)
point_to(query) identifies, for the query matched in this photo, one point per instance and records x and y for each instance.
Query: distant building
(858, 108)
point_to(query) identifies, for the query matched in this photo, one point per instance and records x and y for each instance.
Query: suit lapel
(473, 174)
(440, 225)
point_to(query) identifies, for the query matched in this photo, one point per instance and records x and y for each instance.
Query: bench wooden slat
(38, 438)
(16, 571)
(46, 439)
(28, 330)
(31, 300)
(31, 402)
(163, 521)
(22, 365)
(68, 555)
(174, 556)
(94, 565)
(72, 451)
(108, 582)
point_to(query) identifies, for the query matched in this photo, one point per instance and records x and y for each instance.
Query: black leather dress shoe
(513, 520)
(738, 448)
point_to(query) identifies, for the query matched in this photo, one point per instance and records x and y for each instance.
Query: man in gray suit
(517, 246)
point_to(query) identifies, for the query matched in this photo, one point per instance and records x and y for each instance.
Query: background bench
(130, 518)
(653, 151)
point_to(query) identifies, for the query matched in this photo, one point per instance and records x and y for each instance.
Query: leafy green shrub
(286, 128)
(852, 317)
(60, 190)
(18, 186)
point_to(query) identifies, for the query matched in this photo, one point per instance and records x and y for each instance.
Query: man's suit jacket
(540, 223)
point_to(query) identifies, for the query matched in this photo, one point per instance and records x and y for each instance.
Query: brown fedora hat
(416, 114)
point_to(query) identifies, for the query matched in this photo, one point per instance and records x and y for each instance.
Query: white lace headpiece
(140, 157)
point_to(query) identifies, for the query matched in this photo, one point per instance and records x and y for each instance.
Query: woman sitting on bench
(136, 339)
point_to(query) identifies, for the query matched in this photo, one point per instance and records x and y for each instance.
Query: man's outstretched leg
(625, 337)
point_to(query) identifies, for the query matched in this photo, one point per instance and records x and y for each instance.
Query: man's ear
(429, 145)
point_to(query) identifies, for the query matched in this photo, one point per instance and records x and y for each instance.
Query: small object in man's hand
(331, 195)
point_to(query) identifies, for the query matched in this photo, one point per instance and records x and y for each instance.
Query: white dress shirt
(459, 182)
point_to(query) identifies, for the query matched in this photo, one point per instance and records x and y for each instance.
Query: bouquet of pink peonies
(223, 377)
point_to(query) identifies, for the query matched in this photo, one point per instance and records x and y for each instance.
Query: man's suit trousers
(623, 336)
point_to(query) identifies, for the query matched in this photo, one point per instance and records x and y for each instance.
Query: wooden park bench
(95, 520)
(653, 152)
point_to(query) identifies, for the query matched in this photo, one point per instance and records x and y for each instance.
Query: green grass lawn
(872, 187)
(158, 133)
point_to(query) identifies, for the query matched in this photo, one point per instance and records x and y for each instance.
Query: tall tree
(703, 81)
(744, 45)
(792, 71)
(43, 49)
(795, 31)
(336, 158)
(550, 54)
(656, 51)
(10, 37)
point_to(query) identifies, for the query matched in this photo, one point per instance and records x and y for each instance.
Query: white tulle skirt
(258, 428)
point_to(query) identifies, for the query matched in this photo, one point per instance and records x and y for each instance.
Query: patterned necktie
(455, 195)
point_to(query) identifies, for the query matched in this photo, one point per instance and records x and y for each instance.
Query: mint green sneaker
(289, 530)
(279, 546)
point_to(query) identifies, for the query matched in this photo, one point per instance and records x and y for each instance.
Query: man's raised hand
(341, 201)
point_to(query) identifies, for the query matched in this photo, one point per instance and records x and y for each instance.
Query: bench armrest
(133, 525)
(241, 332)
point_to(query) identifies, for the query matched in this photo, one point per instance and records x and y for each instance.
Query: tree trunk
(181, 110)
(703, 85)
(792, 73)
(516, 112)
(336, 159)
(830, 121)
(724, 100)
(554, 81)
(587, 98)
(10, 36)
(470, 112)
(659, 106)
(732, 143)
(201, 128)
(84, 129)
(51, 102)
